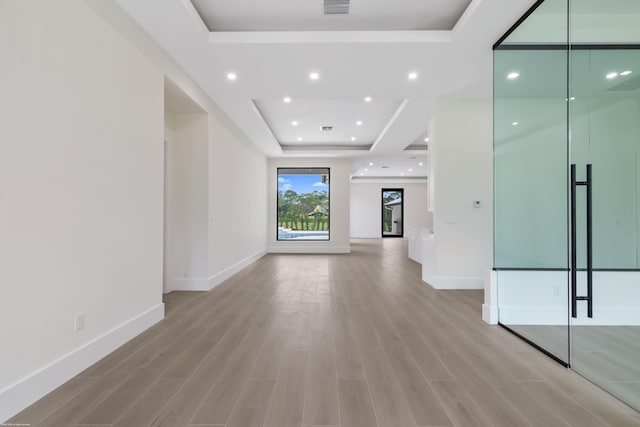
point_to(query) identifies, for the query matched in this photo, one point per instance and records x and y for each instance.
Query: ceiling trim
(193, 13)
(388, 125)
(388, 179)
(328, 151)
(253, 37)
(274, 140)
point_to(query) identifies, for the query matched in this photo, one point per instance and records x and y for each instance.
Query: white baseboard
(541, 315)
(188, 285)
(490, 306)
(211, 282)
(220, 277)
(26, 391)
(366, 236)
(310, 250)
(441, 282)
(487, 315)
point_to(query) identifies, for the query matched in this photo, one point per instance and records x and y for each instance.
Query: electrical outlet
(79, 322)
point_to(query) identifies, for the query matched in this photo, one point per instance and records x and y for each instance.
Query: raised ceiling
(351, 65)
(297, 15)
(323, 123)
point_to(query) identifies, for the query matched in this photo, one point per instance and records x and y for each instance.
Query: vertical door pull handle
(574, 258)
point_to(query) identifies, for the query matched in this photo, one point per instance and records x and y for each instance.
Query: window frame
(309, 168)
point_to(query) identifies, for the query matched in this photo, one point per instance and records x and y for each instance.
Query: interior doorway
(392, 212)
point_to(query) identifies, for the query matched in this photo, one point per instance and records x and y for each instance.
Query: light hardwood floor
(609, 355)
(327, 340)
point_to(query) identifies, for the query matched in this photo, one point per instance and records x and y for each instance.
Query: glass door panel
(530, 179)
(605, 133)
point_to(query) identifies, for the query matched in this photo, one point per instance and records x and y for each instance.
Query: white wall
(237, 204)
(81, 185)
(366, 207)
(339, 201)
(187, 194)
(81, 189)
(461, 141)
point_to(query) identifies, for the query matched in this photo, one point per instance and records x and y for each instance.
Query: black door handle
(574, 259)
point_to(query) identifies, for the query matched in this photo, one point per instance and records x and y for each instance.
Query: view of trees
(388, 196)
(306, 211)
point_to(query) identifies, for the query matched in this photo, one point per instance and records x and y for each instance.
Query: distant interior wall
(187, 139)
(461, 140)
(340, 189)
(366, 207)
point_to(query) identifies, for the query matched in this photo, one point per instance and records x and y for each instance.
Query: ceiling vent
(336, 7)
(327, 128)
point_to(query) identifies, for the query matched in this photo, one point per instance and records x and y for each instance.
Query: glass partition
(567, 186)
(530, 175)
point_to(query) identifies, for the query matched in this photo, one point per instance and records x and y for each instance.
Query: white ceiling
(354, 122)
(296, 15)
(351, 65)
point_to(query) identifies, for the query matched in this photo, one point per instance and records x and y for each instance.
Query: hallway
(352, 340)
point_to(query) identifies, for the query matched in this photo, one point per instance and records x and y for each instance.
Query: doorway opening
(392, 212)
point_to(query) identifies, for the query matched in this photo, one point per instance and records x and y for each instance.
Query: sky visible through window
(301, 183)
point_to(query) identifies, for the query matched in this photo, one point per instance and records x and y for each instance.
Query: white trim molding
(451, 282)
(220, 277)
(28, 390)
(310, 250)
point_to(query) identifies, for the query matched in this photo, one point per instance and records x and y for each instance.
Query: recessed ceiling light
(371, 164)
(513, 75)
(410, 170)
(413, 75)
(353, 138)
(612, 75)
(314, 76)
(299, 138)
(626, 73)
(231, 76)
(515, 123)
(366, 170)
(295, 123)
(402, 174)
(420, 164)
(368, 99)
(287, 100)
(361, 174)
(426, 140)
(573, 98)
(359, 123)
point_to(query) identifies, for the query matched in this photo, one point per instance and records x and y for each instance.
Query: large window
(303, 203)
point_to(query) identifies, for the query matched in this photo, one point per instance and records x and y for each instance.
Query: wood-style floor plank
(253, 403)
(392, 409)
(52, 401)
(287, 403)
(352, 340)
(321, 390)
(144, 411)
(356, 408)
